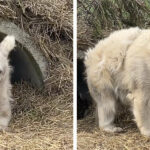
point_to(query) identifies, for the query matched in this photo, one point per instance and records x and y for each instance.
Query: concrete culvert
(28, 62)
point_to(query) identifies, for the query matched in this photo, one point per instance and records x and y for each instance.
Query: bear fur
(118, 69)
(5, 86)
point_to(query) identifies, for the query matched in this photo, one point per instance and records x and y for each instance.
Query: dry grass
(42, 119)
(47, 21)
(39, 121)
(83, 40)
(90, 137)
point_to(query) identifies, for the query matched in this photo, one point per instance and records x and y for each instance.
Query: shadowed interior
(24, 66)
(84, 99)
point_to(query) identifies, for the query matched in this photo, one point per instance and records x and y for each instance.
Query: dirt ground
(92, 138)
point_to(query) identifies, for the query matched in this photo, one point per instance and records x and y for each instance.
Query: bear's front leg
(5, 114)
(106, 108)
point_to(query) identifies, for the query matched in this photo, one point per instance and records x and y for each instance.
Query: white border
(74, 74)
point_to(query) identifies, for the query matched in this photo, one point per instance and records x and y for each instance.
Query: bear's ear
(7, 45)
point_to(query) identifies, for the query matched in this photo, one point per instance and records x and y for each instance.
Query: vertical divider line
(74, 74)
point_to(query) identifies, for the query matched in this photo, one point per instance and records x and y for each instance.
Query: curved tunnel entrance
(24, 66)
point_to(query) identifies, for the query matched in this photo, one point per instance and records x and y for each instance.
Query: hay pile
(99, 18)
(42, 119)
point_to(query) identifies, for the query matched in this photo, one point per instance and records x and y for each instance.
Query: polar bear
(118, 68)
(5, 86)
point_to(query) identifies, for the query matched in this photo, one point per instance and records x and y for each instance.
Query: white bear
(118, 68)
(5, 86)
